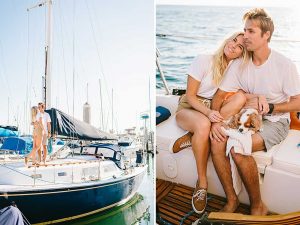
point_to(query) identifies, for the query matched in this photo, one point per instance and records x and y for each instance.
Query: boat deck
(174, 202)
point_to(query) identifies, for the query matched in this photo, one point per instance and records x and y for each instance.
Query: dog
(246, 120)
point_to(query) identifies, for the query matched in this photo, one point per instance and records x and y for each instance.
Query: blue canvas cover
(64, 125)
(5, 132)
(22, 145)
(11, 216)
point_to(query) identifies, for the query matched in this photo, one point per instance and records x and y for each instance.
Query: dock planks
(173, 202)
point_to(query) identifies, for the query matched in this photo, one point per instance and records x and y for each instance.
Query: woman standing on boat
(194, 112)
(37, 134)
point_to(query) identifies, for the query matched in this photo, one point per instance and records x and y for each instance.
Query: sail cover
(8, 131)
(64, 125)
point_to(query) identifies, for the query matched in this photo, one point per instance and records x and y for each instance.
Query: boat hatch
(61, 174)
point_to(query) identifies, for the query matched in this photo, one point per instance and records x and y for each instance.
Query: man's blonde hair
(265, 21)
(219, 62)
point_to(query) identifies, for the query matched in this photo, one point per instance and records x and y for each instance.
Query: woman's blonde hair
(34, 111)
(219, 63)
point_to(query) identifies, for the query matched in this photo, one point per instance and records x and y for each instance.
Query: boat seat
(287, 158)
(168, 131)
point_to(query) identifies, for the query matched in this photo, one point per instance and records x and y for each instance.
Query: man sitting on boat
(46, 120)
(272, 86)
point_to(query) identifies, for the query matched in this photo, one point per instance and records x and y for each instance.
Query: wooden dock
(173, 202)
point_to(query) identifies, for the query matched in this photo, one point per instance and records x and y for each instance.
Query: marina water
(186, 31)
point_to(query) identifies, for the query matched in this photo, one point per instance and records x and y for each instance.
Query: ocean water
(138, 211)
(183, 32)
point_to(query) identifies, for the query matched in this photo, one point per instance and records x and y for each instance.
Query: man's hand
(259, 103)
(263, 105)
(216, 132)
(49, 134)
(214, 116)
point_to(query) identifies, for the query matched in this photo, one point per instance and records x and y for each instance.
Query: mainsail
(64, 125)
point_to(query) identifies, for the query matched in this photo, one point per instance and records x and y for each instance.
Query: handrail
(162, 75)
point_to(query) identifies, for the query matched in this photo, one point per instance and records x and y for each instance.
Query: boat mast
(112, 111)
(8, 111)
(101, 107)
(46, 79)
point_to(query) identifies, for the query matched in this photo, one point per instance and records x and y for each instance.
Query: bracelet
(271, 108)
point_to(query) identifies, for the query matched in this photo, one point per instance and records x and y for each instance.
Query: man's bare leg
(248, 170)
(223, 169)
(222, 163)
(45, 151)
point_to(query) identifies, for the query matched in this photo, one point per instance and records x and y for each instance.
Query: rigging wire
(100, 60)
(74, 10)
(26, 125)
(63, 54)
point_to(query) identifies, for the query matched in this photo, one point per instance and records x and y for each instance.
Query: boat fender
(170, 166)
(162, 114)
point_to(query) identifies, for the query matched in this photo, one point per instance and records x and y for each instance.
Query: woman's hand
(216, 132)
(214, 116)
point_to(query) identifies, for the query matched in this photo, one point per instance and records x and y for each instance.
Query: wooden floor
(174, 202)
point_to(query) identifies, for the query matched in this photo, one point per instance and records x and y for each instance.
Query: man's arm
(292, 106)
(49, 129)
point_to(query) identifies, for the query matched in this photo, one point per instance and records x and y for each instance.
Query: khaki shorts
(45, 139)
(274, 132)
(183, 103)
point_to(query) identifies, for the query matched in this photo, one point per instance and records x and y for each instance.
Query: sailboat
(68, 186)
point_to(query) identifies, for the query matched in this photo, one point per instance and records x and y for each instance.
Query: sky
(113, 41)
(254, 3)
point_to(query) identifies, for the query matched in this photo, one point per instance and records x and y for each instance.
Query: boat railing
(162, 75)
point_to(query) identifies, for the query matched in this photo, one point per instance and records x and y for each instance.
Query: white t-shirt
(45, 119)
(200, 70)
(277, 79)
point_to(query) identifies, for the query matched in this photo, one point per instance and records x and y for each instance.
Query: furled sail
(64, 125)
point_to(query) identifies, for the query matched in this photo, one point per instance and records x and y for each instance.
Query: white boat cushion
(168, 131)
(287, 157)
(168, 101)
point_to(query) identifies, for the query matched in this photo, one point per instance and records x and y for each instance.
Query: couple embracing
(260, 78)
(41, 122)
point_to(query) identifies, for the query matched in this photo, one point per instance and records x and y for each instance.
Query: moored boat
(69, 186)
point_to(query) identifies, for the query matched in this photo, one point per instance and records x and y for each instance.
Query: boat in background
(70, 185)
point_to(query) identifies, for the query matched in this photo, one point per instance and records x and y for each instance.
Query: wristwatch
(271, 108)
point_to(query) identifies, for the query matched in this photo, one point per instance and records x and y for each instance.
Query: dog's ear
(234, 121)
(255, 121)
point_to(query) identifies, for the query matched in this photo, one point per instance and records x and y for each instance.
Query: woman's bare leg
(233, 105)
(38, 147)
(199, 125)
